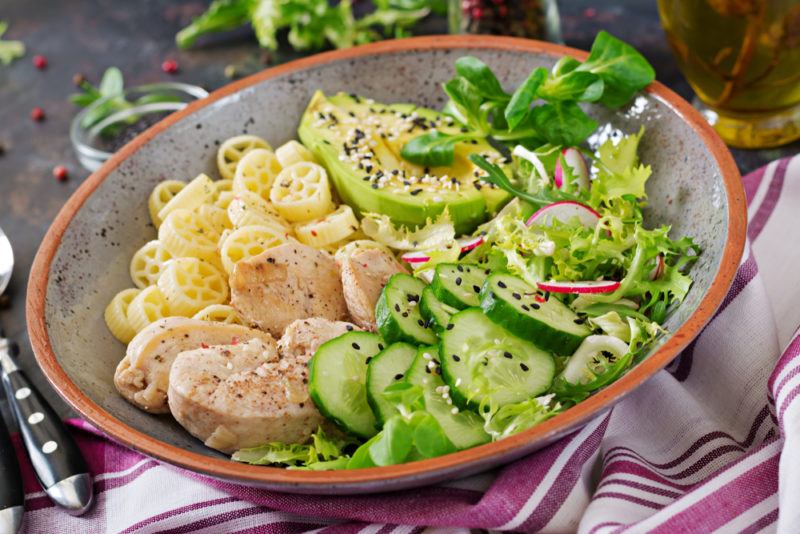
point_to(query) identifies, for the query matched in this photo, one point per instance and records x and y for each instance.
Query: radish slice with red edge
(587, 287)
(415, 257)
(469, 243)
(564, 211)
(573, 158)
(658, 270)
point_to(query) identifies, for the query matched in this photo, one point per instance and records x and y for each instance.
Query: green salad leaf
(513, 418)
(9, 50)
(325, 452)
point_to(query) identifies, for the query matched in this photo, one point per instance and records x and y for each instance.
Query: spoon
(54, 455)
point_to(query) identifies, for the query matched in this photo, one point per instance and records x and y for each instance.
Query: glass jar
(534, 19)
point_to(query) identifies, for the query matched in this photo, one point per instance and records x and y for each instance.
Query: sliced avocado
(359, 142)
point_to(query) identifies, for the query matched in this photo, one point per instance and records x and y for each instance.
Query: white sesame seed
(426, 355)
(454, 411)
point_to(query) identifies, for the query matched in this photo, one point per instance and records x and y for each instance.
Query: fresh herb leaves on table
(9, 50)
(543, 109)
(311, 24)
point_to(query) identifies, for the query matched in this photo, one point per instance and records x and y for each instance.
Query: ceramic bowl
(84, 258)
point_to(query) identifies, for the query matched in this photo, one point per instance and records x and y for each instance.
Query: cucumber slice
(459, 284)
(337, 380)
(436, 312)
(464, 427)
(549, 324)
(397, 311)
(387, 367)
(486, 365)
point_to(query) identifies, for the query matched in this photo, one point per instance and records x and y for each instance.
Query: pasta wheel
(160, 197)
(255, 173)
(191, 284)
(147, 264)
(330, 229)
(219, 313)
(116, 315)
(233, 149)
(185, 233)
(148, 306)
(197, 192)
(301, 192)
(224, 199)
(247, 242)
(222, 186)
(216, 217)
(293, 152)
(249, 209)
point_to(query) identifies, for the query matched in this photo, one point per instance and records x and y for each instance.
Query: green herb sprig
(9, 50)
(543, 109)
(311, 24)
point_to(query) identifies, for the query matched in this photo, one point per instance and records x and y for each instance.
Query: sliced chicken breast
(244, 395)
(364, 274)
(285, 283)
(303, 337)
(142, 377)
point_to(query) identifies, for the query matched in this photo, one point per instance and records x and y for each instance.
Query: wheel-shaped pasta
(116, 315)
(148, 306)
(219, 313)
(199, 191)
(185, 233)
(256, 172)
(216, 217)
(249, 209)
(330, 229)
(221, 186)
(224, 199)
(148, 262)
(246, 242)
(293, 152)
(233, 149)
(160, 197)
(191, 284)
(301, 192)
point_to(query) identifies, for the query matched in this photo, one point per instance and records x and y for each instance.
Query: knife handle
(12, 495)
(55, 457)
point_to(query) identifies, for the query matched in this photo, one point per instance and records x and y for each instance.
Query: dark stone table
(88, 36)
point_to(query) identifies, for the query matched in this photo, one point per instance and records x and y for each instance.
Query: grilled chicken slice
(285, 283)
(237, 396)
(304, 336)
(143, 374)
(364, 274)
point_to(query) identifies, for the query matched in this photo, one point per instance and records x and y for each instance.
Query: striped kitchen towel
(699, 448)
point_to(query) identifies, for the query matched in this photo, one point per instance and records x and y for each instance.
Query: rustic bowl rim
(278, 477)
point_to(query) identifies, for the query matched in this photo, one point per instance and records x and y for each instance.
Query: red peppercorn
(37, 114)
(537, 298)
(170, 66)
(60, 173)
(40, 62)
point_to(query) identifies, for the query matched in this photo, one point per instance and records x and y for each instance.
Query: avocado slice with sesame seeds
(359, 142)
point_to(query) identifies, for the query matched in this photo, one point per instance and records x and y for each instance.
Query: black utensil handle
(11, 492)
(53, 453)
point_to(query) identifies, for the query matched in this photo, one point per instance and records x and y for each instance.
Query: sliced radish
(573, 158)
(415, 257)
(590, 286)
(469, 243)
(658, 270)
(564, 211)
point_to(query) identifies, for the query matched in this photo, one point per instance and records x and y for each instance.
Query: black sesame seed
(375, 186)
(535, 306)
(396, 307)
(380, 346)
(450, 326)
(508, 355)
(517, 296)
(525, 307)
(421, 323)
(416, 192)
(405, 314)
(476, 289)
(398, 376)
(368, 359)
(460, 268)
(502, 284)
(458, 281)
(456, 358)
(523, 366)
(349, 328)
(356, 346)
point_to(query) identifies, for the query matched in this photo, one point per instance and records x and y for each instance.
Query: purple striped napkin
(698, 448)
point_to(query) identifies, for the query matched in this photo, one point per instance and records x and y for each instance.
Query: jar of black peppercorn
(534, 19)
